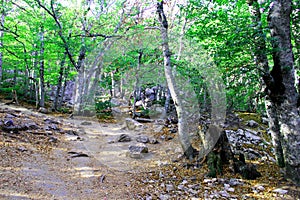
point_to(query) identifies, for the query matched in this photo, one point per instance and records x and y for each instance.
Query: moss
(214, 163)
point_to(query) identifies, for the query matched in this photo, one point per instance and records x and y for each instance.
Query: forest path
(100, 142)
(32, 172)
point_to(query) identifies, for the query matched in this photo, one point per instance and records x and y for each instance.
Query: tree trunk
(42, 81)
(137, 90)
(1, 41)
(59, 82)
(184, 139)
(261, 61)
(61, 98)
(282, 88)
(79, 87)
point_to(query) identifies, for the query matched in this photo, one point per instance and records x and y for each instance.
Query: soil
(92, 165)
(37, 170)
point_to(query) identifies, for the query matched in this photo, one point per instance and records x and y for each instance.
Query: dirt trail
(98, 143)
(105, 174)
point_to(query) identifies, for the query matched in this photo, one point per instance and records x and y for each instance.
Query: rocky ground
(55, 157)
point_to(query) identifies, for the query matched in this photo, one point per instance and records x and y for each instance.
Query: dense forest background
(62, 55)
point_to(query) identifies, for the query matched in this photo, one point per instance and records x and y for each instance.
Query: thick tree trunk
(283, 92)
(184, 139)
(261, 61)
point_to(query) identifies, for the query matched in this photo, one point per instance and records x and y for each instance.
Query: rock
(153, 141)
(235, 182)
(43, 110)
(54, 127)
(184, 182)
(158, 128)
(31, 125)
(252, 136)
(169, 187)
(110, 141)
(224, 194)
(280, 191)
(138, 148)
(156, 111)
(148, 197)
(9, 116)
(252, 124)
(142, 139)
(8, 122)
(264, 120)
(53, 139)
(173, 130)
(181, 187)
(50, 121)
(118, 102)
(71, 137)
(77, 154)
(86, 123)
(131, 124)
(124, 138)
(22, 149)
(164, 196)
(260, 188)
(249, 172)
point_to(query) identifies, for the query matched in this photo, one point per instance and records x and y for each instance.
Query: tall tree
(42, 67)
(2, 18)
(186, 145)
(281, 87)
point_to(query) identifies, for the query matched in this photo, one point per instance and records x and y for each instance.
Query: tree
(184, 139)
(281, 87)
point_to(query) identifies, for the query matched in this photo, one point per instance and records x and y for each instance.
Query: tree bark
(59, 82)
(284, 94)
(184, 139)
(42, 81)
(1, 41)
(261, 60)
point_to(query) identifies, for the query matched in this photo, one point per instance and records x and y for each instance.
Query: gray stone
(235, 182)
(224, 194)
(265, 120)
(252, 136)
(50, 121)
(32, 125)
(158, 128)
(43, 110)
(164, 197)
(124, 138)
(131, 124)
(280, 191)
(252, 124)
(9, 116)
(142, 139)
(53, 139)
(169, 187)
(260, 188)
(86, 123)
(138, 148)
(153, 141)
(8, 122)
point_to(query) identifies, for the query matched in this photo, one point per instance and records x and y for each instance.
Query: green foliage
(224, 29)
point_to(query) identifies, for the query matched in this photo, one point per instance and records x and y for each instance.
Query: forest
(144, 99)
